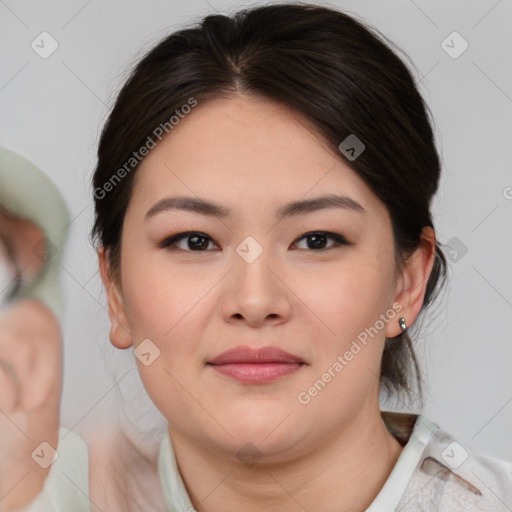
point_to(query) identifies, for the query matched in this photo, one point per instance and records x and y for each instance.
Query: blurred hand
(30, 391)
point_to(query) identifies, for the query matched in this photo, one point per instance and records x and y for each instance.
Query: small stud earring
(402, 324)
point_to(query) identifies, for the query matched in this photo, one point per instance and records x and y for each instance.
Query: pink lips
(256, 365)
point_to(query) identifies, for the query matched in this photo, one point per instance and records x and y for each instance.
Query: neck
(347, 470)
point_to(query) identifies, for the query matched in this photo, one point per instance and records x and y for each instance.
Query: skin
(254, 156)
(30, 375)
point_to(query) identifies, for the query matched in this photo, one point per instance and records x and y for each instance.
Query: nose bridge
(253, 289)
(251, 262)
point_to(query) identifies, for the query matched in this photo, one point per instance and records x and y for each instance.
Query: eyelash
(171, 241)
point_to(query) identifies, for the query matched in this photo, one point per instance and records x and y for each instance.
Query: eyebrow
(295, 208)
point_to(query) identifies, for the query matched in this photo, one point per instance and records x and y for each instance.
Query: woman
(263, 226)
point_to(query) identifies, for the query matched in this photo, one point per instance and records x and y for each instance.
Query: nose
(255, 291)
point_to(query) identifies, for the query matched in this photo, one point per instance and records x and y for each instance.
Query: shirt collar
(415, 443)
(175, 494)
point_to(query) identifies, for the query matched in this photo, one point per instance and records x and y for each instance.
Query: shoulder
(66, 486)
(449, 476)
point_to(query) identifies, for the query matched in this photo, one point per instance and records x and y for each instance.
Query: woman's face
(252, 278)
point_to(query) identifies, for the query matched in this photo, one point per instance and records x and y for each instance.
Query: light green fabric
(25, 191)
(66, 488)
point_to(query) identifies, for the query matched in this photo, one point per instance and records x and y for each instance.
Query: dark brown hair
(340, 74)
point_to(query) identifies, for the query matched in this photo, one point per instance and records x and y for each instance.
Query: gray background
(52, 111)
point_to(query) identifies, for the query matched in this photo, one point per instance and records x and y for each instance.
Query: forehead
(247, 150)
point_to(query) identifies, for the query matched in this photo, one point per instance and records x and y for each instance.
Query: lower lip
(257, 372)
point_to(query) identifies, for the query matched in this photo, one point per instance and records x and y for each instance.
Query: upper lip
(245, 354)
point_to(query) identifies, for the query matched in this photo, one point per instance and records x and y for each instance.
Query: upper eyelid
(178, 237)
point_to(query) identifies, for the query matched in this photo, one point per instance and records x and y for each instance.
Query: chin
(270, 431)
(252, 447)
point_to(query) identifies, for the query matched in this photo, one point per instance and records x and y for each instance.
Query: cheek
(171, 309)
(166, 311)
(349, 297)
(157, 297)
(347, 355)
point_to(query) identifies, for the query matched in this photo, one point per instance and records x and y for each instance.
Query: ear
(120, 333)
(412, 281)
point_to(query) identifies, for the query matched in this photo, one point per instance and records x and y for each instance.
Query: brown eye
(193, 241)
(317, 240)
